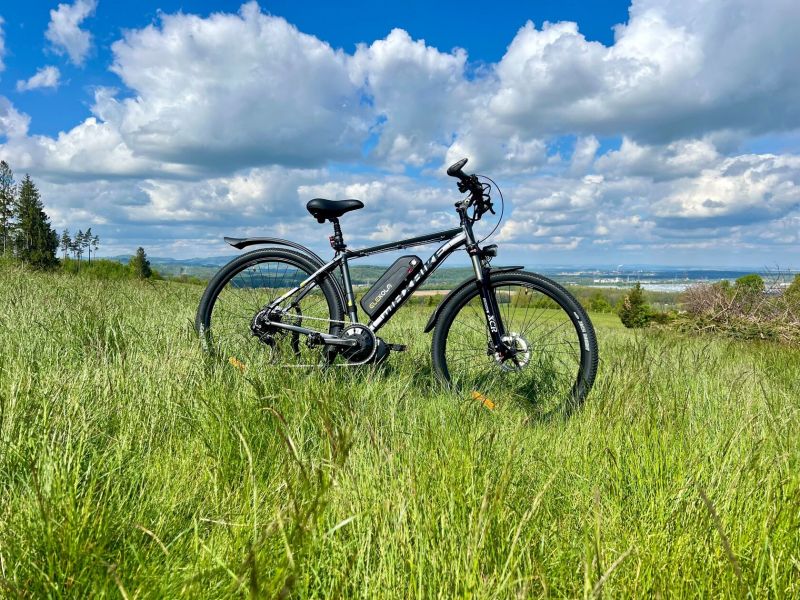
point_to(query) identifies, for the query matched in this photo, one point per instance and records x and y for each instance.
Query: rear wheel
(554, 358)
(228, 320)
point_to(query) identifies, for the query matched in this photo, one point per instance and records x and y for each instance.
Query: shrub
(792, 293)
(751, 285)
(599, 303)
(746, 310)
(634, 312)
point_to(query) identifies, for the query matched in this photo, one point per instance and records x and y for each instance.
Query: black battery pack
(390, 284)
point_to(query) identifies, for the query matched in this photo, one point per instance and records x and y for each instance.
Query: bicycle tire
(583, 331)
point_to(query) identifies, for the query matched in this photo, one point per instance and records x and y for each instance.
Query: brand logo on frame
(423, 272)
(376, 300)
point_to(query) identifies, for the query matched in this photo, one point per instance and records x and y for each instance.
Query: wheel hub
(518, 355)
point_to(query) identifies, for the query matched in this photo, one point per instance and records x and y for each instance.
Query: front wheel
(554, 350)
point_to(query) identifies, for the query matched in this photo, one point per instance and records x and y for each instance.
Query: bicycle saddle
(322, 209)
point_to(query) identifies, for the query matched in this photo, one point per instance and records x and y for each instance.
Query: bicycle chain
(344, 325)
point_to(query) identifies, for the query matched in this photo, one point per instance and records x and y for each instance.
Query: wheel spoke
(251, 287)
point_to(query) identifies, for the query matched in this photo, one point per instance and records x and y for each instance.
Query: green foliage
(189, 279)
(139, 264)
(662, 318)
(633, 311)
(750, 285)
(99, 268)
(132, 465)
(792, 292)
(599, 303)
(35, 241)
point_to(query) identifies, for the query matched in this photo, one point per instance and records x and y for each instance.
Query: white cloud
(231, 91)
(420, 94)
(677, 159)
(64, 32)
(46, 77)
(584, 154)
(13, 124)
(675, 70)
(738, 190)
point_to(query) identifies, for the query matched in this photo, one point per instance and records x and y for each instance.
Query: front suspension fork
(491, 310)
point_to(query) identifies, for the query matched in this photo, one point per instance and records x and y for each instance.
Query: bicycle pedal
(397, 347)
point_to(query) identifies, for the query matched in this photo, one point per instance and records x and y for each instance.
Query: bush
(99, 268)
(634, 312)
(662, 318)
(599, 303)
(792, 293)
(751, 284)
(746, 310)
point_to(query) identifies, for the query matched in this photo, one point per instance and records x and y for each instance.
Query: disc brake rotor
(520, 354)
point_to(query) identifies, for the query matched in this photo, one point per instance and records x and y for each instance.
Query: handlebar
(479, 198)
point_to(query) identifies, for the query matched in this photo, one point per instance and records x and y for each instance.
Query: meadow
(132, 465)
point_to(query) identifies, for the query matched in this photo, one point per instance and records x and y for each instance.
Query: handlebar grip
(454, 170)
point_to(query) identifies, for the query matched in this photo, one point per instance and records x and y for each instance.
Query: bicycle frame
(453, 238)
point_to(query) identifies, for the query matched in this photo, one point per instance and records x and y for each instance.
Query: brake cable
(502, 208)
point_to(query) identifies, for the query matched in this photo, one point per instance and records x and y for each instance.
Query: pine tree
(77, 245)
(35, 242)
(66, 242)
(95, 244)
(8, 193)
(87, 243)
(140, 265)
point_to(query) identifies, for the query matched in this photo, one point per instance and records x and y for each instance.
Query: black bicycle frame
(453, 238)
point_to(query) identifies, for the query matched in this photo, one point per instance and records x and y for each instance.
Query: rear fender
(240, 243)
(466, 283)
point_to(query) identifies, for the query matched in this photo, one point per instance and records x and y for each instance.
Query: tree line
(83, 242)
(26, 234)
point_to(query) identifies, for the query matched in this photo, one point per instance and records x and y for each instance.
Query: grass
(132, 466)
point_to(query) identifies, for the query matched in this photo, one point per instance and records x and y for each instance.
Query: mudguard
(240, 243)
(458, 288)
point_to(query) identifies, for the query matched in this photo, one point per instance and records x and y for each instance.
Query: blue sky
(663, 131)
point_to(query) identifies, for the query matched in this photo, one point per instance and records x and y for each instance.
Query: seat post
(337, 239)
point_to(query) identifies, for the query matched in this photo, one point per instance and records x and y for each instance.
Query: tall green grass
(133, 466)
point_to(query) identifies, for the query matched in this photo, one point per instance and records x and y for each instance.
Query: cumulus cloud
(677, 159)
(46, 77)
(233, 90)
(64, 32)
(675, 69)
(739, 190)
(419, 94)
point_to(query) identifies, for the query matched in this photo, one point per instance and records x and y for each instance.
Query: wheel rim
(546, 368)
(228, 327)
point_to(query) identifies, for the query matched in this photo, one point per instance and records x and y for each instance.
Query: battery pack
(391, 283)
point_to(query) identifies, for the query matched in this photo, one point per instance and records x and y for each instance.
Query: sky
(657, 131)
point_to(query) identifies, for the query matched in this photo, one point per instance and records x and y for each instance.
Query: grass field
(133, 466)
